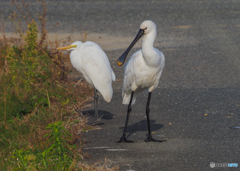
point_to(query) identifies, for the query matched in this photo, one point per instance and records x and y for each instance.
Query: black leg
(150, 139)
(98, 119)
(96, 102)
(123, 138)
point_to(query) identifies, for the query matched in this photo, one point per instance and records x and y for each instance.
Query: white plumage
(142, 72)
(89, 59)
(145, 67)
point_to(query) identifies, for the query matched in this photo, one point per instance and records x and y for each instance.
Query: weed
(23, 158)
(39, 122)
(33, 95)
(57, 154)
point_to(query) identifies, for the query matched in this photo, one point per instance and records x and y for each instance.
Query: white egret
(142, 72)
(89, 59)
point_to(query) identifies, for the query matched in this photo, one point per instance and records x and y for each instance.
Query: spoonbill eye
(145, 28)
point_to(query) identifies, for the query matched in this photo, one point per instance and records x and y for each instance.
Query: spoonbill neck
(147, 44)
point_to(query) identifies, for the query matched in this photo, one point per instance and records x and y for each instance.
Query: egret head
(145, 28)
(75, 45)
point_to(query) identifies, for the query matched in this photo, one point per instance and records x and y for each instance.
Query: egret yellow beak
(67, 47)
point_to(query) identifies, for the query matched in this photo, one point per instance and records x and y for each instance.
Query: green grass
(57, 155)
(39, 124)
(36, 105)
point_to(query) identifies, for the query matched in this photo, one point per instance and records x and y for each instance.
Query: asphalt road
(197, 99)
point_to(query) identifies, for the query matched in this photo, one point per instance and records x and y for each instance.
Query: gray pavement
(197, 99)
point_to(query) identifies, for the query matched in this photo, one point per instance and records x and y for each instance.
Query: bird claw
(150, 139)
(97, 122)
(123, 139)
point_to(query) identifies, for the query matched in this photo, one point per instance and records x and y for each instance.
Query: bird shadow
(142, 126)
(104, 115)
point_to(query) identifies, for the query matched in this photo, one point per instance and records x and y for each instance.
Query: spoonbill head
(146, 27)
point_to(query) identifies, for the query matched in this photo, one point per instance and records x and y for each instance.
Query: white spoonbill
(89, 59)
(142, 72)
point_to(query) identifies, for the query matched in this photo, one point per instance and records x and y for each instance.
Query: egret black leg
(96, 102)
(98, 119)
(123, 138)
(150, 139)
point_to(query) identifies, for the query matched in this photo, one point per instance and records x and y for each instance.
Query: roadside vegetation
(40, 119)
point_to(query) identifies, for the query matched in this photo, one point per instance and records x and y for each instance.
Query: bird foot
(97, 122)
(150, 139)
(123, 139)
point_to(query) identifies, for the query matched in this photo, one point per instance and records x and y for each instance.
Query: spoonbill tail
(89, 59)
(142, 72)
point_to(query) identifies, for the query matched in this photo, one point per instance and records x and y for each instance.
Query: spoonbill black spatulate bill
(90, 60)
(142, 72)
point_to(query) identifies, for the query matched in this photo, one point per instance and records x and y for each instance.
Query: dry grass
(27, 131)
(75, 122)
(106, 166)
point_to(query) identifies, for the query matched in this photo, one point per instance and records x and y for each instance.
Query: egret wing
(97, 68)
